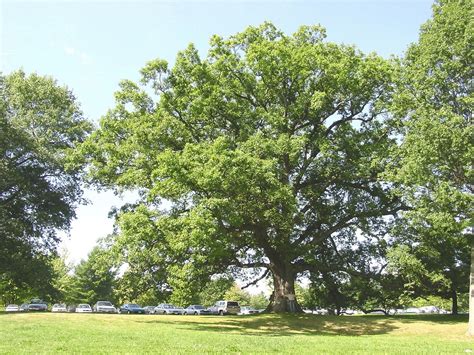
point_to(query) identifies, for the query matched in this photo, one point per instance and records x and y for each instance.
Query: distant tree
(40, 124)
(269, 150)
(258, 301)
(434, 165)
(63, 279)
(215, 290)
(94, 278)
(235, 293)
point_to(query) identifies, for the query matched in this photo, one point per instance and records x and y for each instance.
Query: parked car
(71, 308)
(12, 308)
(225, 307)
(104, 307)
(59, 307)
(24, 307)
(412, 310)
(37, 305)
(429, 309)
(166, 308)
(348, 312)
(131, 308)
(247, 310)
(149, 309)
(197, 309)
(83, 308)
(321, 311)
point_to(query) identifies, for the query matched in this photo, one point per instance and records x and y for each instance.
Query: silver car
(166, 308)
(225, 307)
(104, 307)
(197, 309)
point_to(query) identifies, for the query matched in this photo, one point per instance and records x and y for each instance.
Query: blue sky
(91, 45)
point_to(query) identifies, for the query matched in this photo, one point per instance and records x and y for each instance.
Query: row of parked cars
(219, 308)
(411, 310)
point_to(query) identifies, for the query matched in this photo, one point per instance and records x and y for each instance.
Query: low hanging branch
(265, 274)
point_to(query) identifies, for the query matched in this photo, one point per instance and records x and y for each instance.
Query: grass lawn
(304, 334)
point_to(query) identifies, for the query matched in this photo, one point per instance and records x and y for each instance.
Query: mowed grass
(267, 333)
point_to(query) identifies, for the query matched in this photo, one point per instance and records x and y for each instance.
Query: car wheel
(221, 312)
(164, 312)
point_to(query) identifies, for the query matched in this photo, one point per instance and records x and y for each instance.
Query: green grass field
(304, 334)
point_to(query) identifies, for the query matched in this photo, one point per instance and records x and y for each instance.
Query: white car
(59, 307)
(321, 311)
(83, 308)
(12, 308)
(248, 310)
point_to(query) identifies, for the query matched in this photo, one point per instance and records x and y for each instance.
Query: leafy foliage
(434, 100)
(269, 150)
(94, 277)
(40, 124)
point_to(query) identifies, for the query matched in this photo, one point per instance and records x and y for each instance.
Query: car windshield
(133, 305)
(84, 306)
(104, 303)
(198, 307)
(232, 304)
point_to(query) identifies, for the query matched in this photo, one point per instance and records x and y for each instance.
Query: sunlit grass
(98, 333)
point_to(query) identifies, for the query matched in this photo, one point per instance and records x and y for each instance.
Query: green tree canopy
(94, 278)
(434, 99)
(269, 151)
(40, 124)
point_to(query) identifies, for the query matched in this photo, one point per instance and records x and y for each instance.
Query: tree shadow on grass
(288, 325)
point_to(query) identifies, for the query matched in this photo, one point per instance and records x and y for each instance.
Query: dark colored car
(24, 307)
(37, 305)
(130, 308)
(149, 309)
(71, 308)
(197, 309)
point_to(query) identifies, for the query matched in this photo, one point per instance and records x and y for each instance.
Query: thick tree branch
(261, 277)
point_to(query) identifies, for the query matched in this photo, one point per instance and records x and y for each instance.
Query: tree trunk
(454, 297)
(283, 298)
(470, 330)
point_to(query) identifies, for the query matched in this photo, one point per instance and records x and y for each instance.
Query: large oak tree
(268, 152)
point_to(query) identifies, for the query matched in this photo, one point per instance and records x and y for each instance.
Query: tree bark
(454, 298)
(283, 298)
(470, 330)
